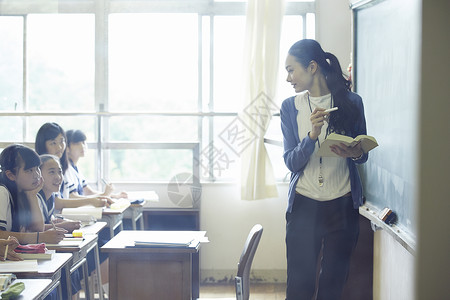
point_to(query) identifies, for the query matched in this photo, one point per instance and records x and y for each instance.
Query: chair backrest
(242, 280)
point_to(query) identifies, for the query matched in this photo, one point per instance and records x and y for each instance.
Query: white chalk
(331, 109)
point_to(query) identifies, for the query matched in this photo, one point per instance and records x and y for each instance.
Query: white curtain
(261, 51)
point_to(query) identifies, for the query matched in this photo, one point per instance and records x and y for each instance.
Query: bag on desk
(14, 290)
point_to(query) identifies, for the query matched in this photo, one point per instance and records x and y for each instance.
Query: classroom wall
(333, 29)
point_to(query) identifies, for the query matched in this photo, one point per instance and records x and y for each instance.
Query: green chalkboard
(386, 75)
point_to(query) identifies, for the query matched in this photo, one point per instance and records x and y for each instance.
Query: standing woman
(324, 192)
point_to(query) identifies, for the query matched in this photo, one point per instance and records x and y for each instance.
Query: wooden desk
(35, 289)
(159, 218)
(149, 273)
(113, 219)
(50, 269)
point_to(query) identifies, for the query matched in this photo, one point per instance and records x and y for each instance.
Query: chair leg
(238, 285)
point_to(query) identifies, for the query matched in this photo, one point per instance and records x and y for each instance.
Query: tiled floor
(272, 291)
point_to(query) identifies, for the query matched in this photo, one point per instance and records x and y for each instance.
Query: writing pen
(54, 227)
(331, 109)
(6, 249)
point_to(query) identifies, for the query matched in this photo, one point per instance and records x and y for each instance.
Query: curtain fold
(261, 56)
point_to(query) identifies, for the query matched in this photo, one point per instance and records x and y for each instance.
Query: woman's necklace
(320, 179)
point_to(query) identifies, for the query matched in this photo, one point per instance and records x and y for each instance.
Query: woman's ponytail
(336, 81)
(342, 121)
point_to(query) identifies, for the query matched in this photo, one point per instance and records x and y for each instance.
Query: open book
(367, 143)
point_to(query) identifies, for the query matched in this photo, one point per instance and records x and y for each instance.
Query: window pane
(153, 62)
(85, 124)
(148, 164)
(310, 26)
(292, 31)
(11, 129)
(222, 156)
(155, 129)
(229, 33)
(11, 66)
(61, 62)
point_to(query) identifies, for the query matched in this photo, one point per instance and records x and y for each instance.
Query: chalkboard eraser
(388, 216)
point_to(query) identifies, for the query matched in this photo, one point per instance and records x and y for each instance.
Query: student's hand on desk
(52, 236)
(69, 225)
(12, 243)
(345, 151)
(102, 201)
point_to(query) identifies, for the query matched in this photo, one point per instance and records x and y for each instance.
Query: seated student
(52, 175)
(12, 244)
(20, 213)
(51, 139)
(76, 148)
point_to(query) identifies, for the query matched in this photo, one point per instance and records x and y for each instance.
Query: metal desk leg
(60, 295)
(141, 221)
(133, 218)
(68, 283)
(83, 263)
(86, 280)
(111, 232)
(99, 275)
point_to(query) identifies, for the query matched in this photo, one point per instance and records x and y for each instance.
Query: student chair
(242, 279)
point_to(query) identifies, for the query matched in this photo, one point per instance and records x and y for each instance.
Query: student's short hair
(50, 131)
(75, 136)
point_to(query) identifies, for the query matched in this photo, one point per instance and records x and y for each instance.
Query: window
(152, 83)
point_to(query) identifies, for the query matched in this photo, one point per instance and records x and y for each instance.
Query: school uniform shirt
(64, 189)
(75, 180)
(298, 152)
(47, 206)
(5, 209)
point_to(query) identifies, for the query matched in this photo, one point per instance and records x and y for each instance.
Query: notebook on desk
(189, 242)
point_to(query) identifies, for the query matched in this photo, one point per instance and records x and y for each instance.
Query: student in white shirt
(52, 175)
(51, 139)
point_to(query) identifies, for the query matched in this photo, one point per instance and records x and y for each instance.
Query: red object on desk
(31, 248)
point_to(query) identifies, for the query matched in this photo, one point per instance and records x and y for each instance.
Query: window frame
(101, 10)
